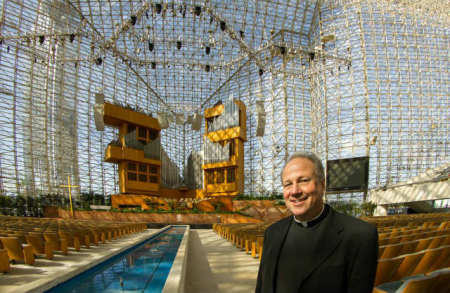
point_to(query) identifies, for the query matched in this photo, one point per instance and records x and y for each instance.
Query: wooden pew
(4, 261)
(435, 282)
(425, 261)
(17, 252)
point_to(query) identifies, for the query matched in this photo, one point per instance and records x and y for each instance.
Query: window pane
(220, 175)
(142, 178)
(142, 132)
(131, 166)
(142, 168)
(153, 179)
(153, 134)
(231, 148)
(231, 175)
(132, 176)
(153, 169)
(210, 176)
(131, 128)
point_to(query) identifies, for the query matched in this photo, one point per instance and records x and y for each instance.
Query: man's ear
(322, 184)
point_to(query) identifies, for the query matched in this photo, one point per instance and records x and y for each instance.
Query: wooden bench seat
(17, 251)
(425, 261)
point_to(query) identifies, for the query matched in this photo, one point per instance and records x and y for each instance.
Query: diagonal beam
(222, 85)
(315, 15)
(232, 34)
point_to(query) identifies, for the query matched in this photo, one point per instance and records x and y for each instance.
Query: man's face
(301, 190)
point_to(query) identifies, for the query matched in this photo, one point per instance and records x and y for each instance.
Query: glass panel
(142, 178)
(153, 179)
(142, 132)
(142, 168)
(231, 148)
(132, 176)
(220, 175)
(231, 175)
(153, 169)
(210, 176)
(152, 134)
(131, 128)
(132, 166)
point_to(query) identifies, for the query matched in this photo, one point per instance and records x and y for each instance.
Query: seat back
(435, 283)
(13, 246)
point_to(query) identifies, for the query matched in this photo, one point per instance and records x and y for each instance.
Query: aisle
(214, 265)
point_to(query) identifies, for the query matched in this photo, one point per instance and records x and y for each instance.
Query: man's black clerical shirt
(297, 253)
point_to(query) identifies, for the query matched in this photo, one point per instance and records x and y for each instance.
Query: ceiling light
(133, 19)
(158, 8)
(223, 25)
(197, 10)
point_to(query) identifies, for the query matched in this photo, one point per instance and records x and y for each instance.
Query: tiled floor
(215, 266)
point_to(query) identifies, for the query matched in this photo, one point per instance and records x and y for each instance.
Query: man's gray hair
(318, 167)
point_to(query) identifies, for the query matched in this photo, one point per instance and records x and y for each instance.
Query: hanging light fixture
(197, 10)
(223, 25)
(158, 8)
(133, 20)
(99, 61)
(41, 39)
(207, 50)
(150, 46)
(207, 68)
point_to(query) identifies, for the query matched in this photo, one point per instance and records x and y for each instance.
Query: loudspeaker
(170, 118)
(260, 118)
(260, 124)
(99, 98)
(163, 120)
(179, 118)
(197, 122)
(189, 119)
(99, 112)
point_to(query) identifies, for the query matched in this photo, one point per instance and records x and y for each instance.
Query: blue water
(143, 268)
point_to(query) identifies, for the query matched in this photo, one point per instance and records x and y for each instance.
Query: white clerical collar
(305, 223)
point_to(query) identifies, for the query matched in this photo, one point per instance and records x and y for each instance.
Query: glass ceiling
(341, 78)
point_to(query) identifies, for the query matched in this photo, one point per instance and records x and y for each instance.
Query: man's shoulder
(278, 224)
(353, 224)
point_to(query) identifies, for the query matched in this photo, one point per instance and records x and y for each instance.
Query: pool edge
(175, 282)
(45, 285)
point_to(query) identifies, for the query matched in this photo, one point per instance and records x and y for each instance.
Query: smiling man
(316, 249)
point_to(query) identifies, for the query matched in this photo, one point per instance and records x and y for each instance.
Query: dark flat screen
(350, 174)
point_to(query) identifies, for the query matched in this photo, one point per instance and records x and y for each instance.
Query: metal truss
(340, 78)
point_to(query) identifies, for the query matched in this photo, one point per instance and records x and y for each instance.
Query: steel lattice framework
(340, 78)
